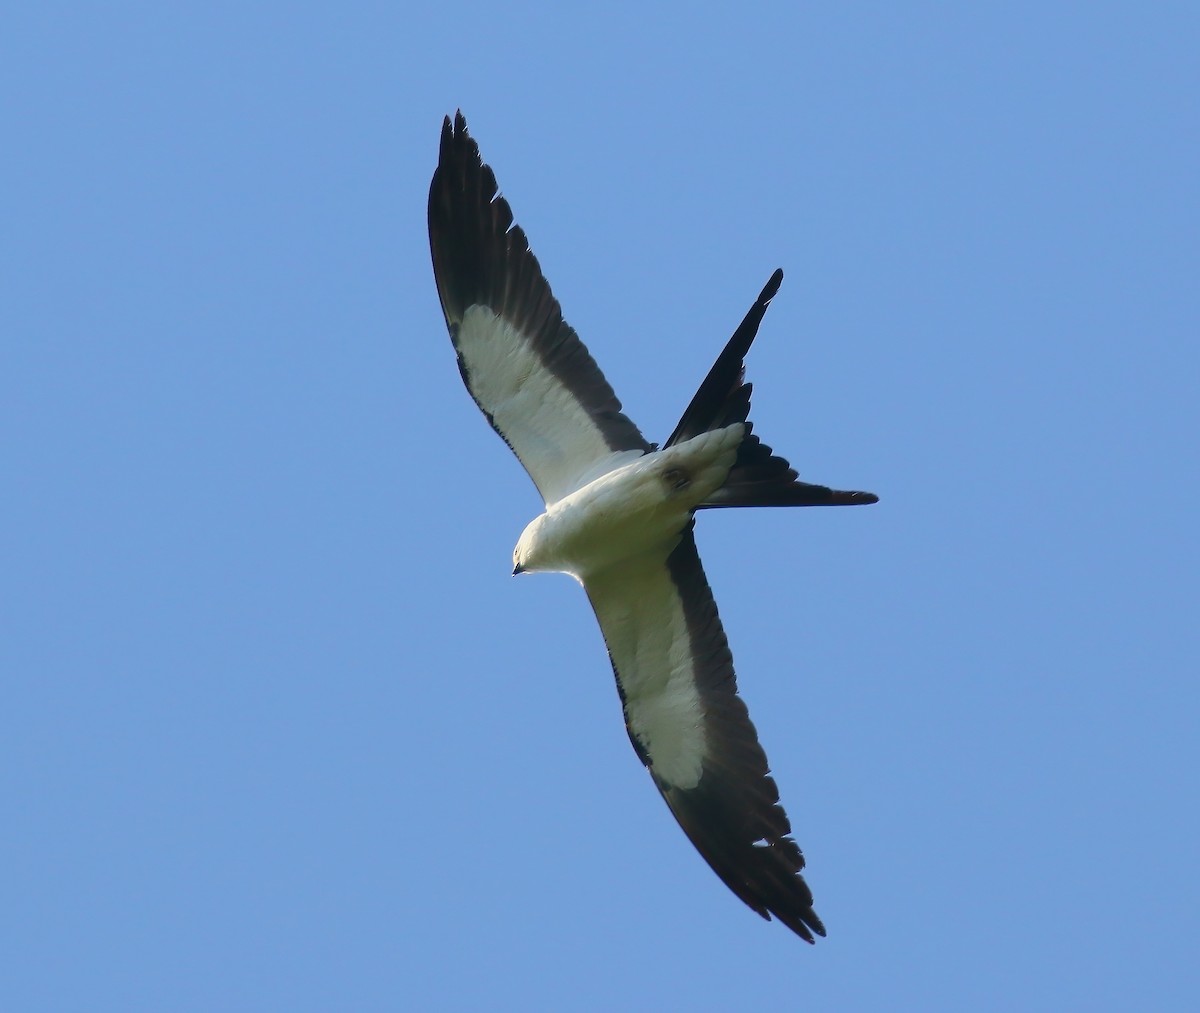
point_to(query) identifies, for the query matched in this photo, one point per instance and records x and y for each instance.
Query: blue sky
(279, 729)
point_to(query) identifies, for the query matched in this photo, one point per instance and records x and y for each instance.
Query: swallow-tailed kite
(619, 518)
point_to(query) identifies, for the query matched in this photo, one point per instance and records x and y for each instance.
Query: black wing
(688, 725)
(523, 364)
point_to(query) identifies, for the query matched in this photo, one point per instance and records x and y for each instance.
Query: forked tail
(758, 477)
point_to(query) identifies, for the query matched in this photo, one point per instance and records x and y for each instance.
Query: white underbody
(613, 517)
(614, 536)
(633, 510)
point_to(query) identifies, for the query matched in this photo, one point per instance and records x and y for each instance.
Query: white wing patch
(644, 626)
(549, 430)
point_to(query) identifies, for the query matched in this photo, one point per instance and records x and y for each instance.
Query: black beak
(518, 569)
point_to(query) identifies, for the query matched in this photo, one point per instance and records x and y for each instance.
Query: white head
(526, 558)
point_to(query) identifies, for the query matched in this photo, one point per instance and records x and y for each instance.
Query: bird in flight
(619, 518)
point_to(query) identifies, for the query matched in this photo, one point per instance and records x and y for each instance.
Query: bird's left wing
(523, 364)
(688, 725)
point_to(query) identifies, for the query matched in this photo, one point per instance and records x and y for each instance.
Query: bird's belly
(637, 509)
(616, 522)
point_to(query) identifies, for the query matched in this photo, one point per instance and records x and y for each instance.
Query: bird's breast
(637, 509)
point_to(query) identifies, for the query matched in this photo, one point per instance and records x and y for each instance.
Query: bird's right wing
(688, 725)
